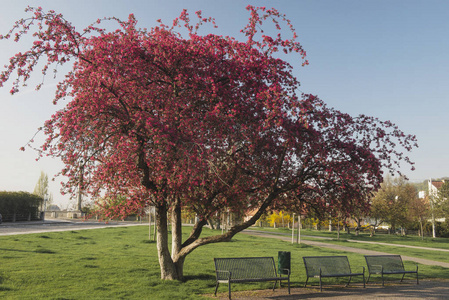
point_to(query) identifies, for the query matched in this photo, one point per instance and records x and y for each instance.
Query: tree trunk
(338, 228)
(176, 225)
(177, 240)
(149, 221)
(168, 269)
(211, 223)
(422, 232)
(172, 265)
(357, 230)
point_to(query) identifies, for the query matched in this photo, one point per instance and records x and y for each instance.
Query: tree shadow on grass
(46, 251)
(3, 288)
(200, 277)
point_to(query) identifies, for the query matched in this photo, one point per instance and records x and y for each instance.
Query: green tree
(391, 204)
(443, 199)
(420, 212)
(41, 190)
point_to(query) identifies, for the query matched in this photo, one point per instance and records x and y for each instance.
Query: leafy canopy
(204, 119)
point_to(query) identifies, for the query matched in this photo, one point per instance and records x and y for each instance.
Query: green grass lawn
(120, 263)
(392, 240)
(413, 240)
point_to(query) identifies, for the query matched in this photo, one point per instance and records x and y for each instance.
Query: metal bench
(248, 269)
(329, 266)
(386, 265)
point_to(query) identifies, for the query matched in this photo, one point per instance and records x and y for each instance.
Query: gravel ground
(427, 289)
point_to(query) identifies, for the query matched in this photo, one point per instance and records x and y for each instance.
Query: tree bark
(168, 268)
(172, 266)
(422, 232)
(178, 260)
(176, 225)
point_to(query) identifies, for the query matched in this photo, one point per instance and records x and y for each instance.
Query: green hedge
(19, 206)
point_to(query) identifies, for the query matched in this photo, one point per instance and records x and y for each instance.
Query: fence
(18, 217)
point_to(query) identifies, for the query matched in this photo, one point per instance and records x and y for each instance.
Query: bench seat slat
(340, 275)
(253, 279)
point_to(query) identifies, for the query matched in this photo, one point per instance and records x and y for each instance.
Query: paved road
(7, 228)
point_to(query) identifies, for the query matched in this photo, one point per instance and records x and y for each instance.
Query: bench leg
(349, 281)
(321, 285)
(364, 286)
(403, 277)
(289, 283)
(369, 275)
(216, 289)
(417, 280)
(382, 279)
(306, 282)
(229, 290)
(275, 282)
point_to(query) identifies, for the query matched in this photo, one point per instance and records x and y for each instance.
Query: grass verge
(120, 263)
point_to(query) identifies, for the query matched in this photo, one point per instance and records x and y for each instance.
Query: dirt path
(427, 289)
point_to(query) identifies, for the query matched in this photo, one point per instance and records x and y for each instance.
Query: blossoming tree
(200, 121)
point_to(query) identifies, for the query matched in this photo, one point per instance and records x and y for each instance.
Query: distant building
(434, 186)
(53, 207)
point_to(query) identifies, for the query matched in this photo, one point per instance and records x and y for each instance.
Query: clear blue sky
(384, 58)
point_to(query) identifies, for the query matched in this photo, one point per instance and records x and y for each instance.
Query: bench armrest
(288, 272)
(228, 273)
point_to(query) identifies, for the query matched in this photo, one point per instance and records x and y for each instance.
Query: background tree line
(395, 206)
